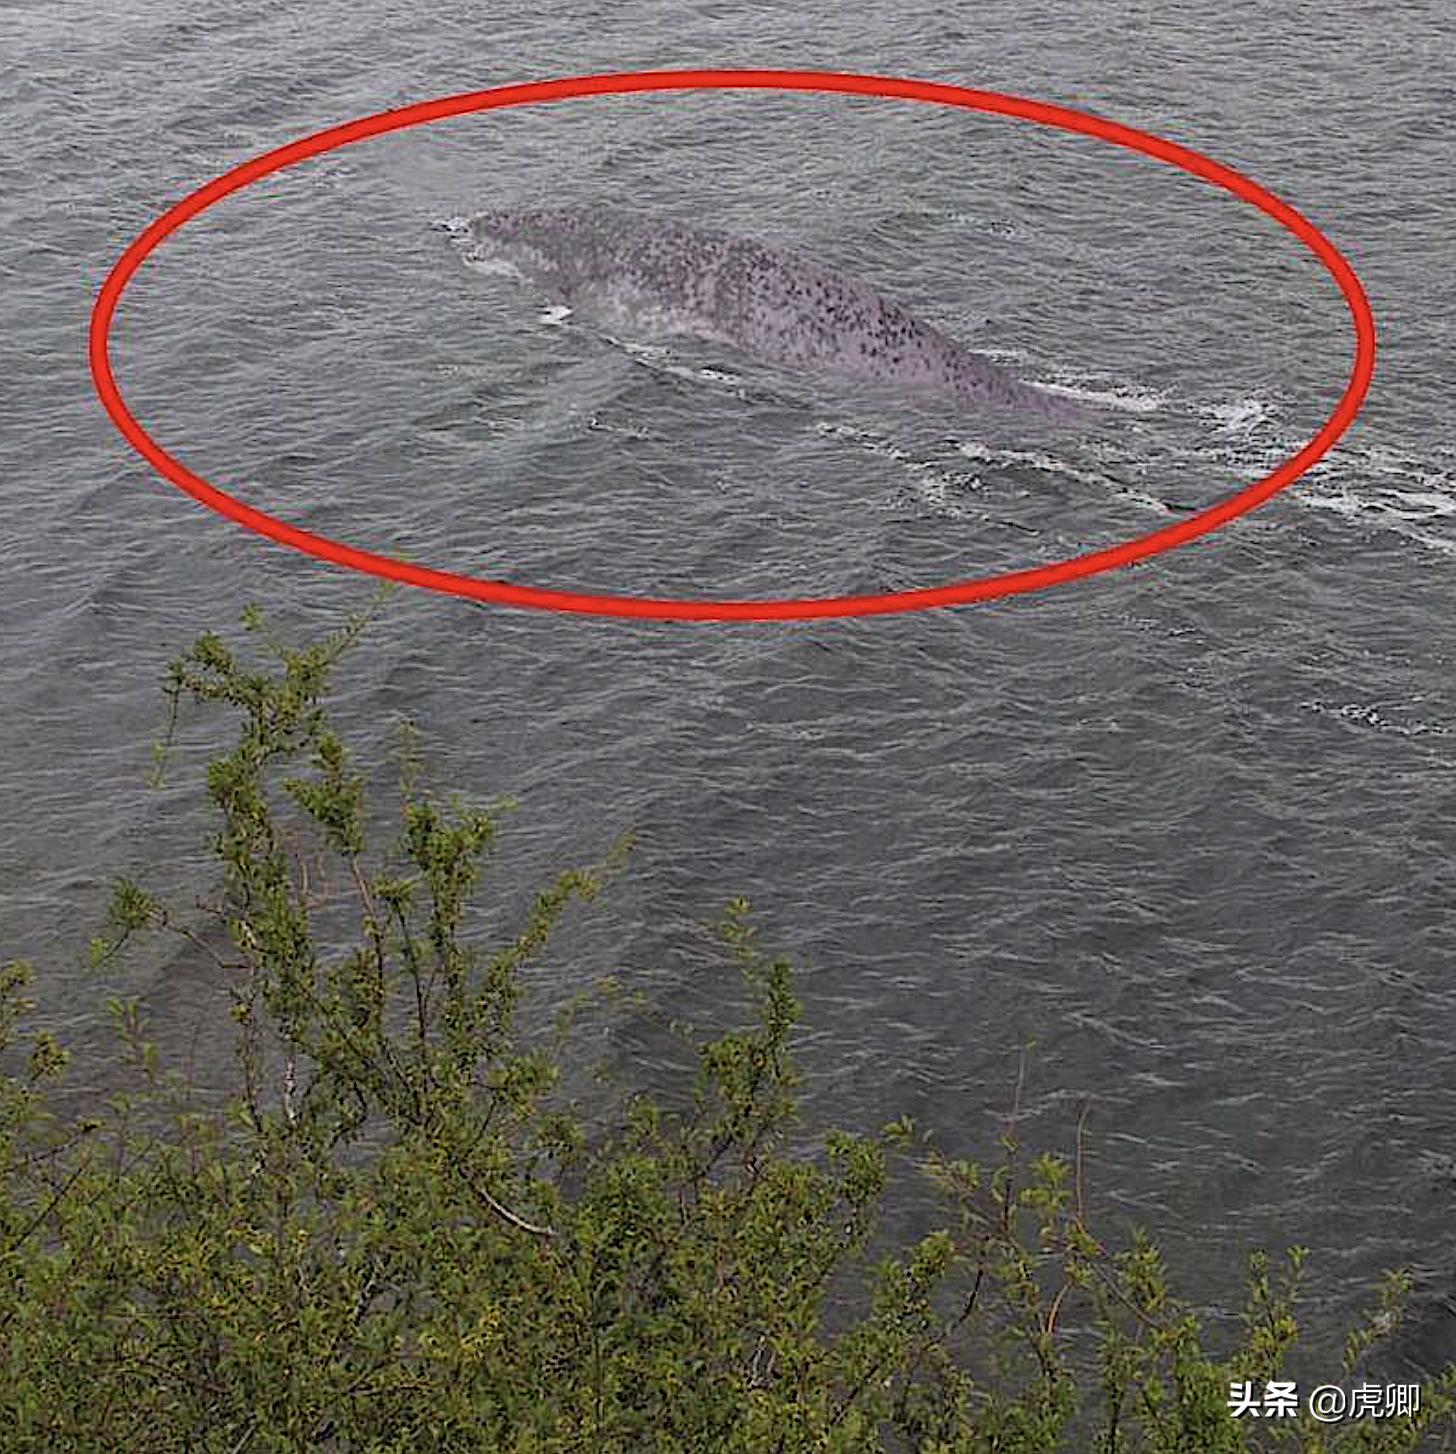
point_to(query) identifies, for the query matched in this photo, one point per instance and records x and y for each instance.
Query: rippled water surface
(1184, 829)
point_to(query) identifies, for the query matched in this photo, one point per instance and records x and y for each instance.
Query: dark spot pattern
(775, 305)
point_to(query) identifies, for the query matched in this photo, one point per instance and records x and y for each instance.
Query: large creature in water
(651, 275)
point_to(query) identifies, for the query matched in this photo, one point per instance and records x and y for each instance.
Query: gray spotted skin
(669, 278)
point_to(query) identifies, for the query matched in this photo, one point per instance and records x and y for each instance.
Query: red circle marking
(981, 589)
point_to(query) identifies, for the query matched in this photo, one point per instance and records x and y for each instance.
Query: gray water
(1184, 830)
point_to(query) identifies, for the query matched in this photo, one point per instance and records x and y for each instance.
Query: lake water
(1184, 830)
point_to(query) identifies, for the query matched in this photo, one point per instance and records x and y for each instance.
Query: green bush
(399, 1234)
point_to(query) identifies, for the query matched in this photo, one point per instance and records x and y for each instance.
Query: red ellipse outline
(959, 593)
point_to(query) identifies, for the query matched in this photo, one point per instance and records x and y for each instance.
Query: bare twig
(1081, 1126)
(503, 1211)
(51, 1205)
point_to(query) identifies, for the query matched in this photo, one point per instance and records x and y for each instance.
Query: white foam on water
(1372, 486)
(659, 358)
(1052, 465)
(1240, 416)
(1124, 395)
(1383, 487)
(492, 265)
(1375, 715)
(934, 486)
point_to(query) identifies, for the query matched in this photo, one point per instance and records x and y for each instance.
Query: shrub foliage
(399, 1234)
